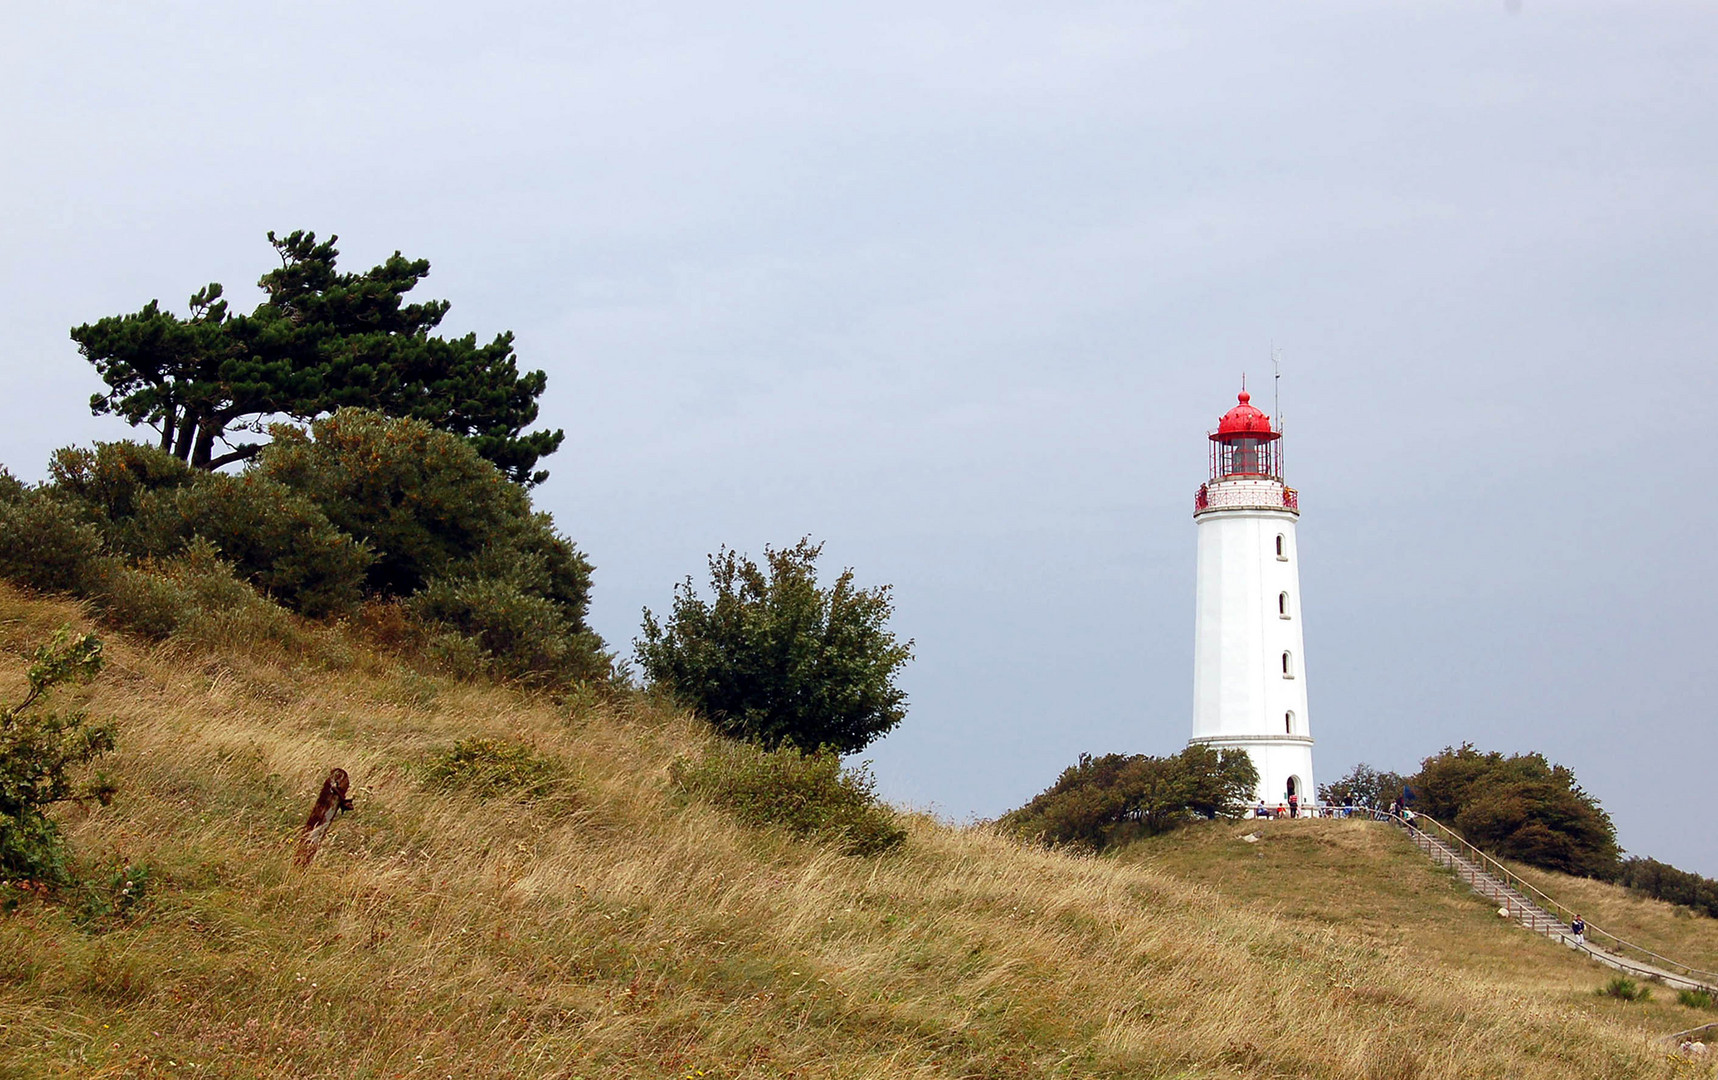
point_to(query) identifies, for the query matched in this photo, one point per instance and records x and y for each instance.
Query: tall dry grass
(604, 931)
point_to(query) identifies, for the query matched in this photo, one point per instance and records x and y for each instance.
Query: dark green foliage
(426, 504)
(1694, 999)
(194, 593)
(1521, 807)
(41, 752)
(1368, 786)
(321, 340)
(274, 537)
(774, 658)
(1661, 881)
(488, 768)
(149, 505)
(1104, 801)
(519, 634)
(110, 480)
(46, 545)
(362, 506)
(12, 489)
(809, 795)
(1624, 988)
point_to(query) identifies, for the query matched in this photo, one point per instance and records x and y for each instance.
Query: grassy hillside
(606, 931)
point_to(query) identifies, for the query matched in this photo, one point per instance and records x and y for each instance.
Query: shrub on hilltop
(1365, 785)
(360, 507)
(775, 658)
(1521, 807)
(1100, 802)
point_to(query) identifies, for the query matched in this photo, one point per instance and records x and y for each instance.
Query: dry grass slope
(603, 931)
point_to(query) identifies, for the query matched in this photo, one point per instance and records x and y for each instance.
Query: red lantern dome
(1244, 422)
(1244, 446)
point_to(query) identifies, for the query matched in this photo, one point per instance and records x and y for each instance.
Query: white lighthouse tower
(1249, 662)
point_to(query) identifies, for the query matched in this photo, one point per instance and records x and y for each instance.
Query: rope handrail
(1509, 878)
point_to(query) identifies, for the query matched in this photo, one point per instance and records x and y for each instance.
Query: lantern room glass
(1245, 457)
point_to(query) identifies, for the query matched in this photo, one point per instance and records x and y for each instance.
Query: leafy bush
(1100, 802)
(41, 751)
(12, 489)
(422, 500)
(1521, 807)
(492, 767)
(1694, 999)
(1366, 785)
(774, 658)
(517, 634)
(809, 795)
(195, 594)
(272, 536)
(1624, 988)
(148, 504)
(108, 481)
(44, 544)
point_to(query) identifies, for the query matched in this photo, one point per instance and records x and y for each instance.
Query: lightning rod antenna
(1277, 400)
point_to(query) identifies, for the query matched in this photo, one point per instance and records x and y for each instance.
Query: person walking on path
(1579, 929)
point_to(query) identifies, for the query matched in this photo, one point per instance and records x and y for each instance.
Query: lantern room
(1244, 444)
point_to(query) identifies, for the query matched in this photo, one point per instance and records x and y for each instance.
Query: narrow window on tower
(1288, 722)
(1288, 665)
(1282, 605)
(1282, 552)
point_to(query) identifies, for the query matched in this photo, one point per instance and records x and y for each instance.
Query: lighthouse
(1249, 659)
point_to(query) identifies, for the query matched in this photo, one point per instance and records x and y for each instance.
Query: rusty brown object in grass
(328, 806)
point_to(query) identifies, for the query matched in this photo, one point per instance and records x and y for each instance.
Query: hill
(607, 930)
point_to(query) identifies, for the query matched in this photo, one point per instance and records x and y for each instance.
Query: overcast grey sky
(959, 288)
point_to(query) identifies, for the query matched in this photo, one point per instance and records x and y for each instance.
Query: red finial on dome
(1244, 422)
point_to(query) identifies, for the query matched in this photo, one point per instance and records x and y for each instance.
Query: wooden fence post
(328, 806)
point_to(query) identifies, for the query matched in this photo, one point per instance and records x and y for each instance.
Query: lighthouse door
(1293, 787)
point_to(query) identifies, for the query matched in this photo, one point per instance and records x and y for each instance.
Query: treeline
(1661, 881)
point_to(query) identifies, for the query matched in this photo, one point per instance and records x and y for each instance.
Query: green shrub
(1521, 807)
(12, 489)
(144, 601)
(1694, 999)
(492, 767)
(194, 596)
(1662, 881)
(421, 499)
(1624, 988)
(273, 537)
(809, 795)
(41, 752)
(775, 658)
(108, 481)
(44, 544)
(1104, 801)
(516, 633)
